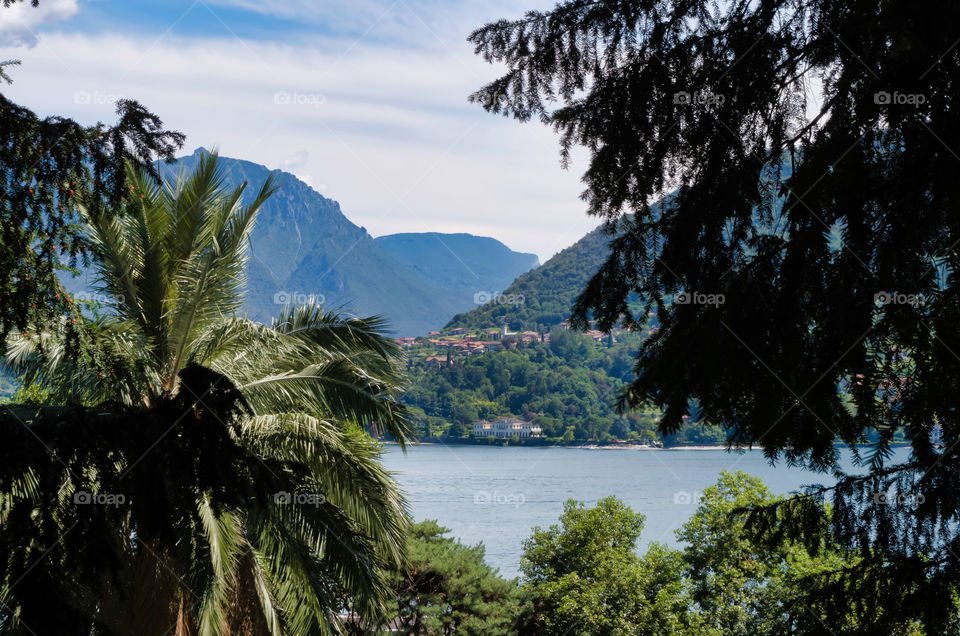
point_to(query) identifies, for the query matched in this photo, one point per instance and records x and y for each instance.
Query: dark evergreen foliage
(85, 454)
(445, 587)
(829, 227)
(49, 167)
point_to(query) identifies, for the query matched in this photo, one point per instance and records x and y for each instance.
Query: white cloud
(295, 161)
(20, 22)
(386, 129)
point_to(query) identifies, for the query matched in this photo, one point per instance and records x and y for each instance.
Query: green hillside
(543, 297)
(568, 386)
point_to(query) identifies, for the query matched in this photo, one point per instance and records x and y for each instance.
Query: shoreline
(656, 448)
(644, 447)
(640, 447)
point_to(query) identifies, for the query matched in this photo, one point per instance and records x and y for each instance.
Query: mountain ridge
(465, 264)
(304, 246)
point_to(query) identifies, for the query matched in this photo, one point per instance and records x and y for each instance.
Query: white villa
(506, 427)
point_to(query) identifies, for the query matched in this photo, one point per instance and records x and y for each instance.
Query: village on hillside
(456, 347)
(438, 348)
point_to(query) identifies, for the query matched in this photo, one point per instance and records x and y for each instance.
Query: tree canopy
(445, 587)
(225, 481)
(583, 576)
(50, 166)
(803, 153)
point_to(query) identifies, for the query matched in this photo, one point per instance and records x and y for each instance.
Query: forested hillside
(543, 297)
(568, 385)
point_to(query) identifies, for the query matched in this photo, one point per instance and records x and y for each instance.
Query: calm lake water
(496, 495)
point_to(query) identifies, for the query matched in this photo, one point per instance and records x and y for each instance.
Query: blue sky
(366, 100)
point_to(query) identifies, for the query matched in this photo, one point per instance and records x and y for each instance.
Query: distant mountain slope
(303, 245)
(464, 264)
(544, 296)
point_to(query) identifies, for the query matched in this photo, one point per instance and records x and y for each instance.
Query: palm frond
(343, 467)
(224, 535)
(216, 414)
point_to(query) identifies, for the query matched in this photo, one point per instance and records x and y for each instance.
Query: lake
(496, 494)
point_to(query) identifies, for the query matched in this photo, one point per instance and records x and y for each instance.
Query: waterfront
(496, 495)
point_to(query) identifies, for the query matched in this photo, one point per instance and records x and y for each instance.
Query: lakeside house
(506, 427)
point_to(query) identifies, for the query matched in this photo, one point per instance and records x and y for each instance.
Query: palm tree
(225, 483)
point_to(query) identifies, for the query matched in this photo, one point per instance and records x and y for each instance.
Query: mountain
(304, 246)
(542, 297)
(466, 265)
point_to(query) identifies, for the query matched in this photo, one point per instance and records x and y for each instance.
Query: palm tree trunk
(185, 625)
(147, 599)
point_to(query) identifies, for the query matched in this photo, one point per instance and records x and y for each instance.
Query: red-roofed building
(435, 362)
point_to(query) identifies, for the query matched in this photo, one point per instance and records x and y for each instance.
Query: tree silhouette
(801, 257)
(48, 167)
(224, 483)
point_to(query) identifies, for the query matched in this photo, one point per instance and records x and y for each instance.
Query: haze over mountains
(469, 266)
(304, 246)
